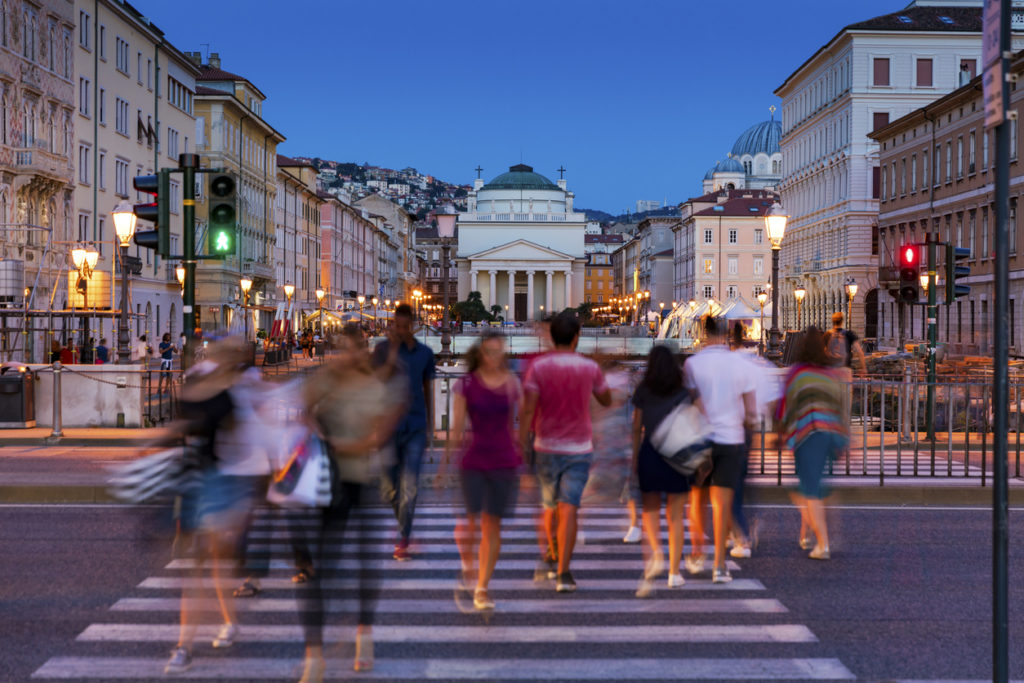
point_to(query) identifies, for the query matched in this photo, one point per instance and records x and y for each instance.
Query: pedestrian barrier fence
(889, 431)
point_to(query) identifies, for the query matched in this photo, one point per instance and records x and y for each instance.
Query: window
(709, 291)
(984, 232)
(972, 152)
(1013, 139)
(903, 177)
(122, 55)
(100, 175)
(913, 174)
(971, 227)
(83, 96)
(937, 165)
(879, 119)
(103, 42)
(103, 107)
(924, 73)
(759, 265)
(172, 143)
(731, 289)
(100, 235)
(892, 189)
(881, 70)
(949, 161)
(83, 227)
(924, 170)
(175, 188)
(709, 265)
(708, 236)
(969, 68)
(83, 164)
(758, 235)
(876, 182)
(121, 178)
(984, 151)
(149, 74)
(85, 30)
(1012, 228)
(960, 157)
(882, 183)
(28, 33)
(960, 230)
(138, 68)
(67, 64)
(733, 236)
(734, 265)
(121, 116)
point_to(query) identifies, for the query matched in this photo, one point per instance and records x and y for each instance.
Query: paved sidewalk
(77, 473)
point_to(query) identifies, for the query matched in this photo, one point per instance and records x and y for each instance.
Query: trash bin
(17, 397)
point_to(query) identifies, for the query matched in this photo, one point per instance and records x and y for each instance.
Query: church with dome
(520, 244)
(754, 163)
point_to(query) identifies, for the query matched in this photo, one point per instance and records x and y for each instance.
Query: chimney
(195, 57)
(214, 60)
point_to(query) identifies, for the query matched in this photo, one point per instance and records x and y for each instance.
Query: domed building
(520, 244)
(755, 161)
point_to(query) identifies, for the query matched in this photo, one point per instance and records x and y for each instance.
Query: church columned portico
(503, 235)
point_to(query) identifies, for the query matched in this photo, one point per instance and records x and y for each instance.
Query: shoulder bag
(681, 438)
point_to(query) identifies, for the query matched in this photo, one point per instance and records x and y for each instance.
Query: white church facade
(520, 245)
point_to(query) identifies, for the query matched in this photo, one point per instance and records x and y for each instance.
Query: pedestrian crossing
(701, 630)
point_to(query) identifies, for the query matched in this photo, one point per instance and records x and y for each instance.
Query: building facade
(37, 149)
(232, 134)
(521, 245)
(721, 250)
(298, 248)
(135, 116)
(401, 279)
(349, 249)
(868, 74)
(754, 163)
(654, 265)
(938, 177)
(431, 246)
(599, 279)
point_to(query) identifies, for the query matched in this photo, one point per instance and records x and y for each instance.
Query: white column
(529, 295)
(472, 281)
(492, 295)
(568, 288)
(548, 291)
(511, 313)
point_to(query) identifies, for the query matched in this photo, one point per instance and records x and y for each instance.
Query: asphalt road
(906, 596)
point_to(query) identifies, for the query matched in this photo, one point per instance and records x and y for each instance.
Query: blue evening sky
(637, 98)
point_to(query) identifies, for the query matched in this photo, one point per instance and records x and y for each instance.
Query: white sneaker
(694, 563)
(632, 536)
(740, 551)
(675, 580)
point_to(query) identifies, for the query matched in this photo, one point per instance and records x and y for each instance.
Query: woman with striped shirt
(811, 418)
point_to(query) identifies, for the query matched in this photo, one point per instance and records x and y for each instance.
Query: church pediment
(521, 250)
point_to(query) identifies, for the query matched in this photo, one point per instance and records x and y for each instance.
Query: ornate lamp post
(775, 225)
(246, 285)
(762, 297)
(446, 219)
(289, 289)
(851, 291)
(124, 227)
(799, 293)
(374, 301)
(179, 273)
(320, 307)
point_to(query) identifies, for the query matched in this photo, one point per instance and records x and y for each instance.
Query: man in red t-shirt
(558, 387)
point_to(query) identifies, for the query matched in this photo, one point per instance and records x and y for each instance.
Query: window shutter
(924, 73)
(881, 71)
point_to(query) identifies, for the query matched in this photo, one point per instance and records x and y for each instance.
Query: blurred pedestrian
(355, 410)
(167, 350)
(660, 391)
(489, 395)
(811, 418)
(210, 413)
(102, 352)
(55, 351)
(400, 485)
(726, 392)
(141, 351)
(558, 388)
(613, 474)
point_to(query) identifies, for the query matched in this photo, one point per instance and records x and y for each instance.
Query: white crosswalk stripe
(681, 633)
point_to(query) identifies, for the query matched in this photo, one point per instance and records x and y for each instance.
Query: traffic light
(222, 213)
(955, 271)
(156, 212)
(910, 269)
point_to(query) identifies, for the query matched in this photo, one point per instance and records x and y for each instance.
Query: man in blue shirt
(401, 481)
(102, 352)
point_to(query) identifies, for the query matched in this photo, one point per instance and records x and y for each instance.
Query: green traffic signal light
(222, 216)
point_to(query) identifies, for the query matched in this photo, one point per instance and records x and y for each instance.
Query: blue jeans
(562, 478)
(400, 484)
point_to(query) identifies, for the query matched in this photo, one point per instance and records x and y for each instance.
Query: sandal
(302, 576)
(249, 589)
(364, 652)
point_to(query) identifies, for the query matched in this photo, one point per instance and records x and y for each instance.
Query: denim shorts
(562, 478)
(812, 457)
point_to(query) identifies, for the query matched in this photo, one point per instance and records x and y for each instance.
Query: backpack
(840, 346)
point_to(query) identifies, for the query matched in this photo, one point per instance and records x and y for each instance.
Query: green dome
(520, 177)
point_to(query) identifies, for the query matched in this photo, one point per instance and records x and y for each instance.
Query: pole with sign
(996, 50)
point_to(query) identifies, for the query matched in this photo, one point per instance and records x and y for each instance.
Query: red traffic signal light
(911, 256)
(910, 269)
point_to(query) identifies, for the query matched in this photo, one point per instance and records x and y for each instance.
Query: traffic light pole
(188, 163)
(933, 333)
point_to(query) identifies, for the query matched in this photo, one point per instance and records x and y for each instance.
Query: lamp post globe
(124, 227)
(775, 220)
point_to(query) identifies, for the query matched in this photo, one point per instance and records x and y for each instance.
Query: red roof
(288, 162)
(208, 73)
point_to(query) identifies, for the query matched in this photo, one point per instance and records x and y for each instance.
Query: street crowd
(675, 436)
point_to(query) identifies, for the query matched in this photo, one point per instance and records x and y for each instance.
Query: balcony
(255, 269)
(39, 162)
(523, 217)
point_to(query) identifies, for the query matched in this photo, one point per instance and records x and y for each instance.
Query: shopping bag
(166, 473)
(682, 439)
(305, 478)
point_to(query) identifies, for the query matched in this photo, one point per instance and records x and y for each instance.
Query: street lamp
(124, 227)
(361, 300)
(289, 289)
(179, 273)
(416, 296)
(775, 225)
(320, 305)
(851, 291)
(799, 293)
(446, 219)
(762, 297)
(374, 301)
(246, 285)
